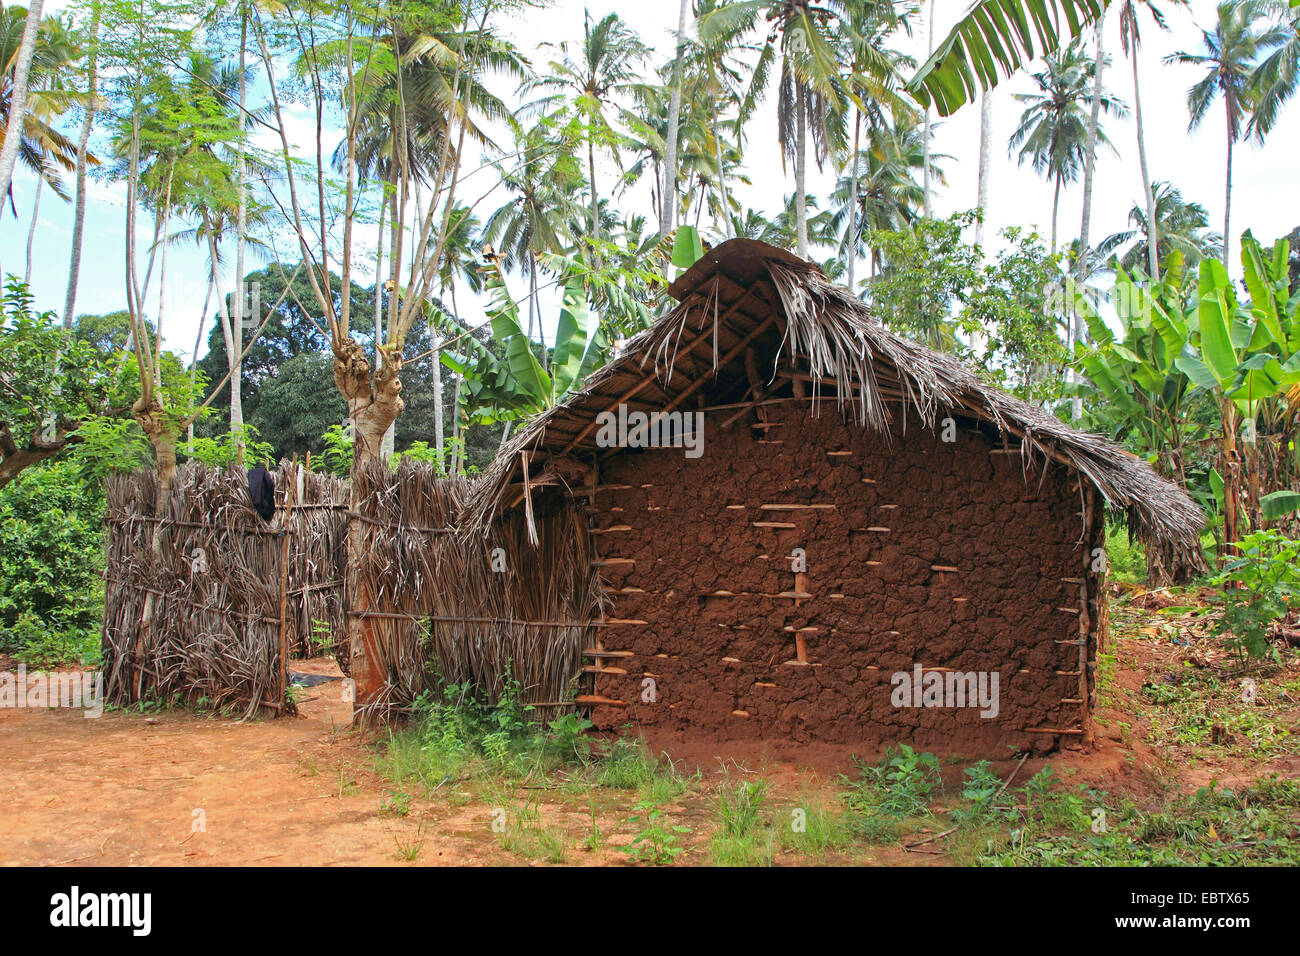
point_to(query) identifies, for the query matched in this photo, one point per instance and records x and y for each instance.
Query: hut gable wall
(705, 600)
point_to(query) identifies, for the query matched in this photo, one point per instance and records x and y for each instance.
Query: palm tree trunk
(986, 143)
(801, 175)
(1153, 254)
(1089, 167)
(668, 208)
(379, 268)
(31, 230)
(18, 96)
(725, 231)
(458, 446)
(853, 197)
(1056, 203)
(388, 444)
(439, 435)
(595, 203)
(1227, 194)
(532, 297)
(232, 334)
(925, 132)
(532, 294)
(79, 210)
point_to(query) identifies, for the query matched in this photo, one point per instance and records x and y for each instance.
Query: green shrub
(1258, 589)
(1126, 559)
(900, 785)
(51, 558)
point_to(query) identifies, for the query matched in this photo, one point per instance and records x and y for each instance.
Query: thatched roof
(811, 335)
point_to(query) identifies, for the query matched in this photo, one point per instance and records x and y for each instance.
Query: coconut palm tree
(883, 178)
(875, 80)
(587, 79)
(1130, 38)
(41, 148)
(17, 68)
(1277, 76)
(1181, 226)
(1053, 130)
(812, 97)
(674, 118)
(1229, 57)
(540, 180)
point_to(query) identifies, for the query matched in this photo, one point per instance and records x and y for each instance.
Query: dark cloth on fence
(261, 488)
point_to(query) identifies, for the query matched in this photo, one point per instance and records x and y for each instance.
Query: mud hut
(863, 542)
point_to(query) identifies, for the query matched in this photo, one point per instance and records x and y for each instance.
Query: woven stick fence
(456, 606)
(192, 602)
(200, 619)
(316, 616)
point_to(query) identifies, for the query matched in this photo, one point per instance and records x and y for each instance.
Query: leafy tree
(927, 277)
(49, 383)
(1012, 303)
(51, 557)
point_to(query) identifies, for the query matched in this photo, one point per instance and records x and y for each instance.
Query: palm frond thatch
(745, 294)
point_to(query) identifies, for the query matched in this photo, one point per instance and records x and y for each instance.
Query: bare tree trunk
(18, 95)
(79, 210)
(241, 238)
(1153, 254)
(31, 230)
(668, 208)
(801, 175)
(986, 145)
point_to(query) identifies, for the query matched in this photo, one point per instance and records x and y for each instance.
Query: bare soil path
(178, 788)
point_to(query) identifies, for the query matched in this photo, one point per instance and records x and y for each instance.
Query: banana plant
(1139, 395)
(1144, 394)
(1245, 357)
(516, 384)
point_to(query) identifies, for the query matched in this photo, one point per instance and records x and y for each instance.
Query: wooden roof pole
(736, 349)
(703, 336)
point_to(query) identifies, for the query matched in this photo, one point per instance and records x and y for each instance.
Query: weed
(656, 843)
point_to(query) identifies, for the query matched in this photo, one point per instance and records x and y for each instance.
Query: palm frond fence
(206, 602)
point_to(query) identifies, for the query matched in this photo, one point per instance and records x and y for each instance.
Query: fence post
(284, 576)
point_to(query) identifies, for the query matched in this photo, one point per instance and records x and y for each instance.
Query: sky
(1263, 199)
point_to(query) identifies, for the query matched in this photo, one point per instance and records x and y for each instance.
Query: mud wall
(918, 551)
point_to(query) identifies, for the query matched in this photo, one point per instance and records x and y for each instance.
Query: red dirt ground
(122, 789)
